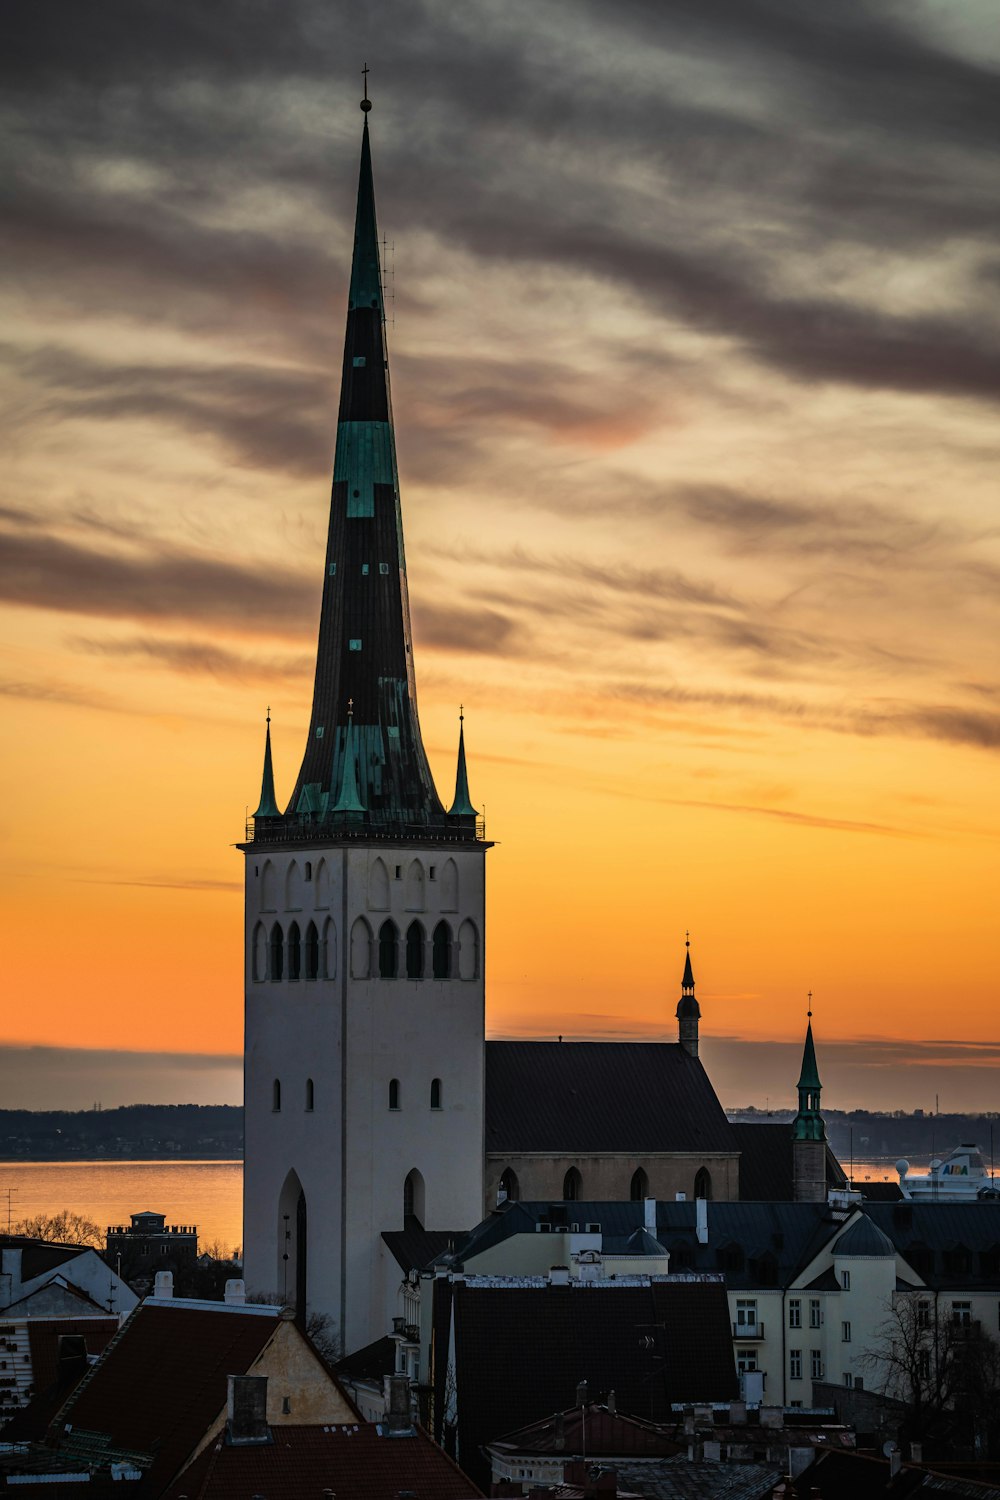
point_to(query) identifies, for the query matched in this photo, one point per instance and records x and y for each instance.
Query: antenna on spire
(366, 103)
(809, 997)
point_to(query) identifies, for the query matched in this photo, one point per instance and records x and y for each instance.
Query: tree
(945, 1369)
(64, 1228)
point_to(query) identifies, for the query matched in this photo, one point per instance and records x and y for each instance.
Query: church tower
(365, 906)
(809, 1131)
(688, 1009)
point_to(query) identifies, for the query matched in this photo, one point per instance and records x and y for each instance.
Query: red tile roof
(356, 1463)
(43, 1340)
(162, 1382)
(605, 1434)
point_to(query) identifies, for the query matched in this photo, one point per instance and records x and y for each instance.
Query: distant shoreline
(43, 1158)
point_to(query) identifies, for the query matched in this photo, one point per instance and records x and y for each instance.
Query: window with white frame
(845, 1280)
(923, 1314)
(961, 1312)
(795, 1364)
(848, 1380)
(815, 1313)
(746, 1359)
(795, 1313)
(845, 1333)
(816, 1364)
(746, 1315)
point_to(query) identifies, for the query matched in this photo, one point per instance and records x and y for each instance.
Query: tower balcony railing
(304, 830)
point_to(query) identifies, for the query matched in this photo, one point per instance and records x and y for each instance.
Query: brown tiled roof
(601, 1434)
(162, 1382)
(370, 1363)
(357, 1463)
(521, 1349)
(573, 1097)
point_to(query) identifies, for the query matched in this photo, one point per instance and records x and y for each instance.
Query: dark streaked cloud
(200, 657)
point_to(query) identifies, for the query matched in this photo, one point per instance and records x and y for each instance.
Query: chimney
(612, 1404)
(701, 1218)
(164, 1286)
(236, 1293)
(72, 1358)
(649, 1214)
(895, 1462)
(680, 1197)
(246, 1411)
(399, 1417)
(559, 1432)
(559, 1276)
(916, 1453)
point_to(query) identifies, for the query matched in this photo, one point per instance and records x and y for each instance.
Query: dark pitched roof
(357, 1462)
(933, 1236)
(865, 1239)
(880, 1192)
(680, 1479)
(39, 1256)
(600, 1434)
(371, 1362)
(521, 1348)
(573, 1097)
(766, 1161)
(161, 1383)
(416, 1248)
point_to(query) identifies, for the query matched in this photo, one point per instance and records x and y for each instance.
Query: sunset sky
(695, 377)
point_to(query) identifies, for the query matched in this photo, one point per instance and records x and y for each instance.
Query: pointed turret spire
(268, 807)
(348, 799)
(808, 1128)
(365, 644)
(462, 806)
(688, 1009)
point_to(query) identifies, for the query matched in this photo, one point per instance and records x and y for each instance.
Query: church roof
(766, 1169)
(571, 1097)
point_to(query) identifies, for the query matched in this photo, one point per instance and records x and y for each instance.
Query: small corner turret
(808, 1128)
(688, 1009)
(462, 806)
(268, 806)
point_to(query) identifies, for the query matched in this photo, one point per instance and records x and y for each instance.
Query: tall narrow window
(393, 1093)
(276, 955)
(639, 1187)
(572, 1184)
(259, 953)
(413, 1199)
(388, 950)
(441, 951)
(294, 952)
(312, 952)
(435, 1093)
(509, 1185)
(310, 1096)
(703, 1183)
(276, 1095)
(415, 951)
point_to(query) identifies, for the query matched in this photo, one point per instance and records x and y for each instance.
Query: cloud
(451, 628)
(47, 572)
(201, 657)
(42, 1077)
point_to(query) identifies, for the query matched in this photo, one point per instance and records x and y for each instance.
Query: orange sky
(725, 627)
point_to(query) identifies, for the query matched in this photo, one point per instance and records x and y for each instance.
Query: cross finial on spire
(687, 938)
(809, 997)
(269, 713)
(350, 708)
(461, 713)
(366, 103)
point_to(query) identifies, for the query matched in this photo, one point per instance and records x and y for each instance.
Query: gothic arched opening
(509, 1185)
(415, 951)
(276, 954)
(413, 1201)
(294, 952)
(639, 1186)
(572, 1185)
(703, 1183)
(388, 950)
(435, 1093)
(441, 951)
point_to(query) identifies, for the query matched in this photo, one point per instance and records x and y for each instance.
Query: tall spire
(348, 800)
(268, 807)
(688, 1009)
(808, 1124)
(462, 806)
(365, 651)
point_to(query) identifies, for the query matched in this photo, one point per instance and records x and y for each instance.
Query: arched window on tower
(441, 951)
(276, 1096)
(468, 951)
(310, 1096)
(388, 950)
(328, 951)
(639, 1188)
(435, 1093)
(572, 1185)
(413, 1200)
(259, 954)
(393, 1093)
(509, 1185)
(415, 951)
(294, 952)
(312, 952)
(276, 953)
(703, 1183)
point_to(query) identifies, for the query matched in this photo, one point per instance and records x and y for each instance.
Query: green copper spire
(462, 806)
(349, 800)
(268, 805)
(808, 1124)
(366, 277)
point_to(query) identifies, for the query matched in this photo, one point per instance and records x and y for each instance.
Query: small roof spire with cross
(366, 103)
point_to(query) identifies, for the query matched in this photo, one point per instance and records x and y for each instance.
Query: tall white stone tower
(365, 912)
